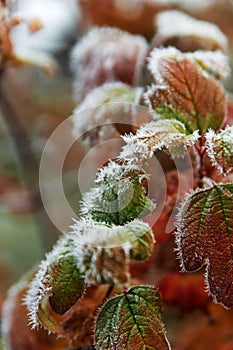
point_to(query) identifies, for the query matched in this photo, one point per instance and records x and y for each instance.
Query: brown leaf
(186, 93)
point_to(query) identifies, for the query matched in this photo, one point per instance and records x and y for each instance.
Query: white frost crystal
(154, 136)
(220, 149)
(38, 289)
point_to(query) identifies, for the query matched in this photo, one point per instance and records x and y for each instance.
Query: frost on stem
(119, 196)
(154, 136)
(97, 59)
(186, 33)
(104, 251)
(220, 149)
(102, 111)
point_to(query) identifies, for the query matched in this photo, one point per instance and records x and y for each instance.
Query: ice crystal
(87, 232)
(154, 136)
(38, 288)
(213, 62)
(220, 149)
(120, 195)
(103, 251)
(180, 24)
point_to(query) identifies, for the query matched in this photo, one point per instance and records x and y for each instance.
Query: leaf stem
(202, 169)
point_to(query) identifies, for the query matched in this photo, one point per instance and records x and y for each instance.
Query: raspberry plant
(182, 89)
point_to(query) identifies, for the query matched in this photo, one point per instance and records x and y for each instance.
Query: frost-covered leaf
(175, 28)
(103, 110)
(214, 63)
(96, 59)
(131, 321)
(220, 149)
(204, 238)
(119, 197)
(58, 284)
(154, 136)
(103, 252)
(184, 91)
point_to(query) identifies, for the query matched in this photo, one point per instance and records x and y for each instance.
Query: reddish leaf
(185, 92)
(204, 237)
(97, 59)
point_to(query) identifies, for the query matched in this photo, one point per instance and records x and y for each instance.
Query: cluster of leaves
(187, 105)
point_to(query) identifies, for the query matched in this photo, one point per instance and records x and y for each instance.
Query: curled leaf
(155, 136)
(131, 321)
(184, 91)
(204, 238)
(57, 285)
(220, 149)
(119, 197)
(103, 252)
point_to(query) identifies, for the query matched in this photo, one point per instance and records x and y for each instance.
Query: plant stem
(202, 170)
(28, 165)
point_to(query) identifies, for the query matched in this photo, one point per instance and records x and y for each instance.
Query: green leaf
(186, 92)
(56, 287)
(120, 196)
(67, 284)
(204, 238)
(141, 239)
(131, 321)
